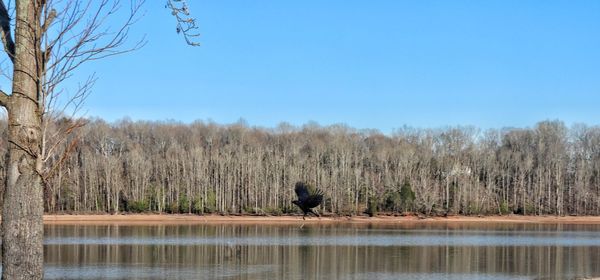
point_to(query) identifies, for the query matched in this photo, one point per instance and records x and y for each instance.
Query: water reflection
(416, 251)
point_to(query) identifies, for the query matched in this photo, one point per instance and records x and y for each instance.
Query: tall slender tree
(52, 38)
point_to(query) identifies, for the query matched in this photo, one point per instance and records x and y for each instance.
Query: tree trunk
(22, 251)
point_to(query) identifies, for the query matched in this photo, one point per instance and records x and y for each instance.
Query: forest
(204, 168)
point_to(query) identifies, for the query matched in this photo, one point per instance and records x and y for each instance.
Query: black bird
(308, 197)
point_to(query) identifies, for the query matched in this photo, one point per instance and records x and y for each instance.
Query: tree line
(203, 167)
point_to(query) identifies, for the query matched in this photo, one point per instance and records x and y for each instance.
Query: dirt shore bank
(140, 219)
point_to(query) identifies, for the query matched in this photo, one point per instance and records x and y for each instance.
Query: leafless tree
(208, 168)
(52, 38)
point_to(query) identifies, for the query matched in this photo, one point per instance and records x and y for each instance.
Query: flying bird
(308, 197)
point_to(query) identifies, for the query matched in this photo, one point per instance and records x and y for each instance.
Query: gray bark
(22, 229)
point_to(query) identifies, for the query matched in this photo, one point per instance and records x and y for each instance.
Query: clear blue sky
(369, 64)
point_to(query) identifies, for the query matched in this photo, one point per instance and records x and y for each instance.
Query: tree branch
(4, 99)
(186, 24)
(49, 19)
(7, 40)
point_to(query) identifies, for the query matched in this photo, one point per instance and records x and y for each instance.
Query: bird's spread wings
(309, 196)
(301, 191)
(314, 199)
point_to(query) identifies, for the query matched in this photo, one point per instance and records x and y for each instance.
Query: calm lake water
(332, 251)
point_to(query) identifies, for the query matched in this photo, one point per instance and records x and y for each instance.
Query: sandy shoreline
(140, 219)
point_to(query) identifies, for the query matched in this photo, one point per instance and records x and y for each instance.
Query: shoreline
(151, 219)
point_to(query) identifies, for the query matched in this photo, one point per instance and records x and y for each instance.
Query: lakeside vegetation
(169, 167)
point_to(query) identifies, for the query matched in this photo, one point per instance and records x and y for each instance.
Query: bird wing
(314, 199)
(308, 195)
(302, 191)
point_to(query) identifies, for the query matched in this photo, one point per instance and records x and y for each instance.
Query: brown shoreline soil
(149, 219)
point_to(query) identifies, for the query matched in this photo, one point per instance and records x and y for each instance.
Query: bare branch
(71, 146)
(7, 40)
(81, 36)
(4, 99)
(49, 19)
(71, 33)
(186, 24)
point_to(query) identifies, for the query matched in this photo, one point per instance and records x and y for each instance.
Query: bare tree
(206, 168)
(52, 38)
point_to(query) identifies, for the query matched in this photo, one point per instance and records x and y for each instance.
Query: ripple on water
(343, 240)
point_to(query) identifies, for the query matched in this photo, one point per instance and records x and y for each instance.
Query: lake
(450, 250)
